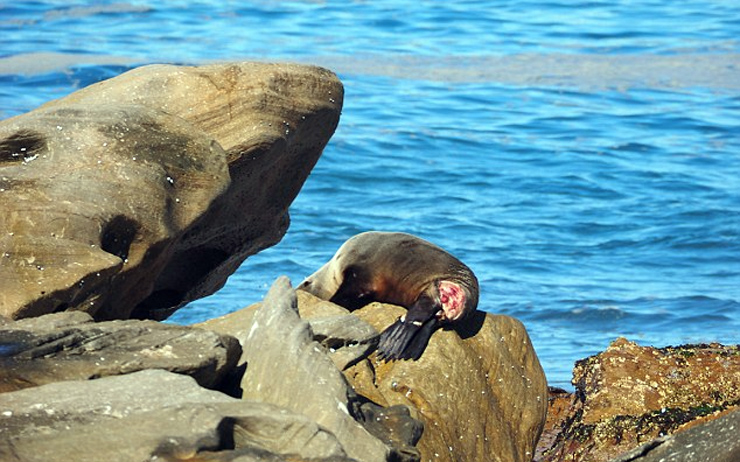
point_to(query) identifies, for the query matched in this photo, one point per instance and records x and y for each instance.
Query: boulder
(629, 395)
(69, 346)
(153, 415)
(156, 184)
(288, 368)
(713, 441)
(480, 392)
(479, 389)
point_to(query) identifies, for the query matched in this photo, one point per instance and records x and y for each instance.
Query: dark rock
(559, 403)
(69, 346)
(156, 184)
(394, 426)
(629, 395)
(713, 441)
(152, 415)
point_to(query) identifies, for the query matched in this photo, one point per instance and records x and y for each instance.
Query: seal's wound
(435, 287)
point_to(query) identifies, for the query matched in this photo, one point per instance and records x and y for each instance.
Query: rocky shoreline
(136, 195)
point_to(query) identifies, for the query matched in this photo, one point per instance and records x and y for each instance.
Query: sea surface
(582, 157)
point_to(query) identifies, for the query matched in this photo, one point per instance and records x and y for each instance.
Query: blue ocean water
(583, 158)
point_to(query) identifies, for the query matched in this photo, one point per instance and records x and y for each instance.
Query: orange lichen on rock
(629, 394)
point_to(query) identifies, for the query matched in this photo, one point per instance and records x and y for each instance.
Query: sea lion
(435, 287)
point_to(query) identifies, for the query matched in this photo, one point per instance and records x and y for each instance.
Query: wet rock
(629, 395)
(287, 368)
(69, 346)
(156, 184)
(480, 390)
(152, 415)
(714, 441)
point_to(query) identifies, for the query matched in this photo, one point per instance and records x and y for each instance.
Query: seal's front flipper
(408, 337)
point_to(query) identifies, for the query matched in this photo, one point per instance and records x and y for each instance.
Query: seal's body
(435, 287)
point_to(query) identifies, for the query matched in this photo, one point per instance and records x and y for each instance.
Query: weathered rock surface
(629, 395)
(287, 368)
(69, 346)
(156, 184)
(481, 393)
(714, 441)
(153, 415)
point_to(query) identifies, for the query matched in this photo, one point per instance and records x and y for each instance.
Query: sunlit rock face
(479, 391)
(131, 197)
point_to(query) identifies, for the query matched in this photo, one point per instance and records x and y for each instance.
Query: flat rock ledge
(156, 184)
(649, 404)
(70, 346)
(153, 415)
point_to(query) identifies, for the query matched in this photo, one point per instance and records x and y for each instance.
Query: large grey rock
(286, 367)
(68, 346)
(155, 184)
(152, 415)
(713, 441)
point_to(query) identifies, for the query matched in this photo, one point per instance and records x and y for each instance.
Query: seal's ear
(407, 338)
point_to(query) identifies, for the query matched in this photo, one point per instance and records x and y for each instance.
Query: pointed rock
(286, 367)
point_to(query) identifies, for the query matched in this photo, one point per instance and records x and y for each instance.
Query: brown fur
(395, 268)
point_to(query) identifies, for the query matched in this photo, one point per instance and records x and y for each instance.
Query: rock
(156, 184)
(348, 338)
(714, 441)
(69, 346)
(559, 403)
(152, 415)
(629, 395)
(287, 368)
(94, 200)
(480, 391)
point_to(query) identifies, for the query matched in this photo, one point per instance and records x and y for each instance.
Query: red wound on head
(452, 297)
